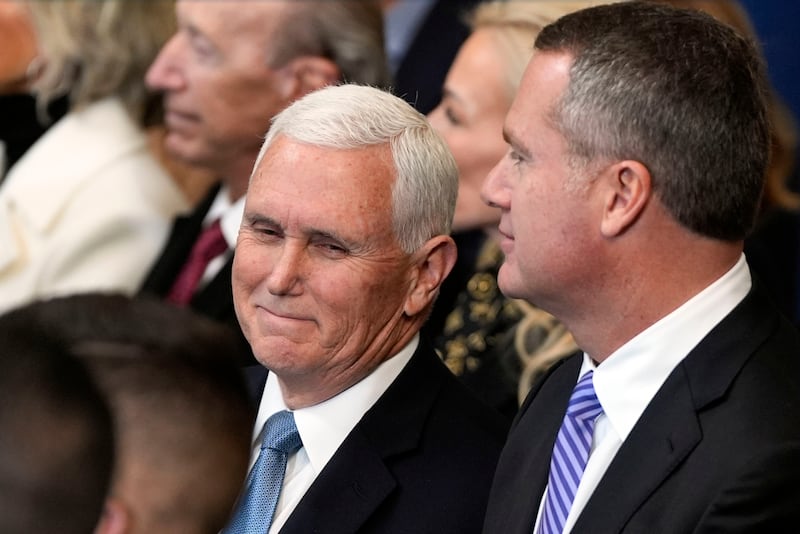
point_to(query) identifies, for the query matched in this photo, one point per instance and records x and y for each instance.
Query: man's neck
(608, 320)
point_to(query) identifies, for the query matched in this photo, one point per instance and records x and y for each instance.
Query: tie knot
(280, 433)
(583, 404)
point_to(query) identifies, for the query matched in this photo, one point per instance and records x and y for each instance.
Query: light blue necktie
(570, 454)
(257, 504)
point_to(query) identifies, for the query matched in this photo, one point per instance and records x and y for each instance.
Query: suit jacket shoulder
(719, 444)
(420, 461)
(716, 450)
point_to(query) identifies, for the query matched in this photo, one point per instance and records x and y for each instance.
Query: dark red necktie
(210, 244)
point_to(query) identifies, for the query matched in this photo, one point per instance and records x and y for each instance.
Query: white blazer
(87, 208)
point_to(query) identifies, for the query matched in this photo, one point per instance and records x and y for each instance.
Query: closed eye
(263, 227)
(331, 249)
(452, 117)
(516, 157)
(271, 232)
(201, 45)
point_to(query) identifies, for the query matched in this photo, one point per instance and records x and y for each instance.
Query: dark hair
(777, 191)
(183, 414)
(677, 91)
(56, 441)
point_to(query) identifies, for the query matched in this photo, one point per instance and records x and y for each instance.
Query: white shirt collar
(231, 221)
(229, 213)
(627, 381)
(324, 426)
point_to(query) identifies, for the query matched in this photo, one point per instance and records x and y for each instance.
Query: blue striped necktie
(570, 454)
(256, 506)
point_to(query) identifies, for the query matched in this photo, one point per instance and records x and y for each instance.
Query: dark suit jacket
(421, 73)
(716, 450)
(420, 461)
(773, 253)
(215, 300)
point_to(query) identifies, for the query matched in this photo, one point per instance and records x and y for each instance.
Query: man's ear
(434, 261)
(116, 518)
(628, 188)
(305, 74)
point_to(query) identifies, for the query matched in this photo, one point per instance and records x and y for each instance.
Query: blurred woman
(88, 206)
(496, 345)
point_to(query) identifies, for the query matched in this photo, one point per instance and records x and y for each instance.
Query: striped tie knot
(583, 404)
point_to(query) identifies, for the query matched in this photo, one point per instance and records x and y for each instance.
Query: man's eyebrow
(252, 218)
(515, 143)
(324, 234)
(313, 233)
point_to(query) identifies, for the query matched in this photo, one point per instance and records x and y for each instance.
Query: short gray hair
(353, 116)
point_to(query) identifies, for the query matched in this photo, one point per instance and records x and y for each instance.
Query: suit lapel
(358, 478)
(669, 429)
(185, 230)
(216, 299)
(666, 433)
(353, 484)
(524, 464)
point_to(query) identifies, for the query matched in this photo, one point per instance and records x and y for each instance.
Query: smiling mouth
(280, 315)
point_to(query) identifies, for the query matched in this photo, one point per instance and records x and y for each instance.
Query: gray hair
(98, 48)
(352, 116)
(677, 91)
(348, 32)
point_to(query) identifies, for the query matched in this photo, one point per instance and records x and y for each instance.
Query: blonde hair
(93, 49)
(515, 25)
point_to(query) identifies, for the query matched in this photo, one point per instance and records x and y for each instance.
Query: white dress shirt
(230, 216)
(322, 427)
(627, 381)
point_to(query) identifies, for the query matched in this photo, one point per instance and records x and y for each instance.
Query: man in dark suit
(422, 38)
(227, 71)
(638, 143)
(343, 247)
